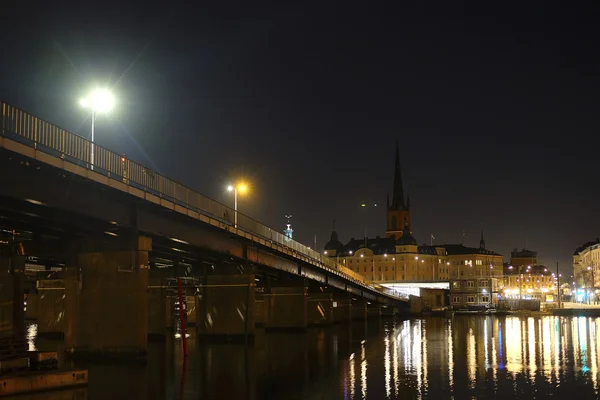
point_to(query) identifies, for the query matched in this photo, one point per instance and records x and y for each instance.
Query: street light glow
(241, 188)
(100, 100)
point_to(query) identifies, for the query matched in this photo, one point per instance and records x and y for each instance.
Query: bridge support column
(259, 310)
(107, 302)
(319, 309)
(51, 308)
(12, 314)
(157, 303)
(286, 308)
(31, 312)
(416, 305)
(359, 309)
(389, 311)
(226, 308)
(374, 310)
(342, 308)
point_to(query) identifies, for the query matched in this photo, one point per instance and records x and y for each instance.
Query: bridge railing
(48, 138)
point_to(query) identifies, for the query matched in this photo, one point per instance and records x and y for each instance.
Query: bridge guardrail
(49, 138)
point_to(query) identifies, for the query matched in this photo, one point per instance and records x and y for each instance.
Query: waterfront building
(586, 268)
(397, 257)
(529, 282)
(475, 292)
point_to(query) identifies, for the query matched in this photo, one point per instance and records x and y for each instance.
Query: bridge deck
(33, 137)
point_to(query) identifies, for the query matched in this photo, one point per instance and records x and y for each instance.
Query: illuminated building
(398, 257)
(529, 282)
(586, 260)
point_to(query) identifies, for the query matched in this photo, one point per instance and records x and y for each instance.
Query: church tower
(398, 211)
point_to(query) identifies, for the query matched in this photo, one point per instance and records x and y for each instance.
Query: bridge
(125, 231)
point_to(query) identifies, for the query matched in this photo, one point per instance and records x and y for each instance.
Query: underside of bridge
(116, 261)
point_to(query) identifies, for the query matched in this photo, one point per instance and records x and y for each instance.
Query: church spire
(481, 241)
(398, 195)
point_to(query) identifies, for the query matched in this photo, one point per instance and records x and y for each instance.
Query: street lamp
(242, 188)
(99, 101)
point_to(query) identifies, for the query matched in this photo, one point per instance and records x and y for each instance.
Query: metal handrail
(48, 138)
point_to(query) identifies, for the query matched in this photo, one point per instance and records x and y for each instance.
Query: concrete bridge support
(373, 310)
(12, 317)
(31, 312)
(107, 301)
(342, 308)
(226, 307)
(319, 309)
(157, 303)
(286, 308)
(389, 311)
(51, 308)
(259, 309)
(359, 309)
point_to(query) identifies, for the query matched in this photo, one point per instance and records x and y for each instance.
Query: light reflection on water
(465, 357)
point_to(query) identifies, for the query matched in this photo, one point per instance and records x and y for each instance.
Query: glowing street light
(99, 101)
(241, 188)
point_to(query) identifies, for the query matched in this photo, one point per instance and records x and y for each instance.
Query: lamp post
(235, 188)
(99, 101)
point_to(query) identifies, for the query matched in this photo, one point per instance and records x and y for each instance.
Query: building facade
(586, 271)
(474, 292)
(398, 257)
(529, 282)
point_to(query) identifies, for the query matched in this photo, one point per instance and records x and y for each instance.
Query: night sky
(495, 108)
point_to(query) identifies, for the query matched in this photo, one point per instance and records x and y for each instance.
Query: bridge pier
(12, 318)
(373, 310)
(342, 308)
(107, 301)
(389, 311)
(226, 308)
(286, 308)
(157, 303)
(51, 308)
(359, 309)
(319, 308)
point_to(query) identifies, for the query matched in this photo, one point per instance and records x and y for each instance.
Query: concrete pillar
(51, 308)
(259, 310)
(7, 298)
(416, 305)
(374, 310)
(359, 309)
(157, 303)
(286, 308)
(226, 307)
(342, 308)
(31, 311)
(319, 309)
(12, 315)
(389, 311)
(107, 302)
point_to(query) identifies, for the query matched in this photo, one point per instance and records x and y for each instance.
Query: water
(462, 358)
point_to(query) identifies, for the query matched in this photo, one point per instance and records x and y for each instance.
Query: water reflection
(464, 357)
